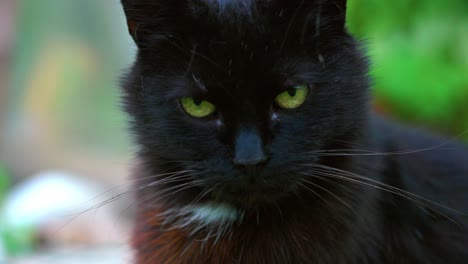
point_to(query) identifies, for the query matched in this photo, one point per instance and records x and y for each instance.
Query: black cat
(257, 143)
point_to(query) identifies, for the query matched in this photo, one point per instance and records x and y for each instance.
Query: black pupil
(197, 102)
(292, 92)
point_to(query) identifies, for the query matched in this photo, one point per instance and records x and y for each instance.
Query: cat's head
(240, 94)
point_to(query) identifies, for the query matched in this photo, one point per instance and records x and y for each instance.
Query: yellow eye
(197, 108)
(293, 98)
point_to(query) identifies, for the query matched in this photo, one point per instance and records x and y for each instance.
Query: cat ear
(145, 17)
(131, 15)
(335, 12)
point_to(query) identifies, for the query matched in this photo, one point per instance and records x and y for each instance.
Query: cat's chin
(251, 198)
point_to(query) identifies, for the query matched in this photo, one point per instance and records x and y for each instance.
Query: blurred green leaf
(18, 241)
(4, 183)
(419, 52)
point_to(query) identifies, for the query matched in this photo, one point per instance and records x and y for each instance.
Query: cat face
(241, 93)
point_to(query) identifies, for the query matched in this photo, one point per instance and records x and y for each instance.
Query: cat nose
(248, 148)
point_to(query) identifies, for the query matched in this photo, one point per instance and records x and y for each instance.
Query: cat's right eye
(197, 108)
(293, 98)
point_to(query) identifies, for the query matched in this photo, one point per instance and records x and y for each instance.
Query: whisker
(327, 168)
(169, 175)
(176, 177)
(390, 153)
(327, 153)
(318, 195)
(167, 192)
(395, 191)
(203, 194)
(332, 194)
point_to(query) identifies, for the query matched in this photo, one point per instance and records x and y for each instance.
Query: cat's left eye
(293, 97)
(197, 108)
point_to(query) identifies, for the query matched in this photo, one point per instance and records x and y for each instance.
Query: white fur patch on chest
(197, 217)
(213, 213)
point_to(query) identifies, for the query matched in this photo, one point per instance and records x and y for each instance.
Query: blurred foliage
(7, 240)
(419, 52)
(18, 241)
(4, 183)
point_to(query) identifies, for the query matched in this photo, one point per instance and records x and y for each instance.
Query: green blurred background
(419, 51)
(60, 62)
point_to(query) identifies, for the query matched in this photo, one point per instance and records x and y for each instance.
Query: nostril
(252, 166)
(251, 161)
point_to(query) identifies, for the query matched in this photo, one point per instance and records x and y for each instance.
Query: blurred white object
(58, 205)
(114, 254)
(47, 196)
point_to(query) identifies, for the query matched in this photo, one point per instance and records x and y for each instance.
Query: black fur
(239, 55)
